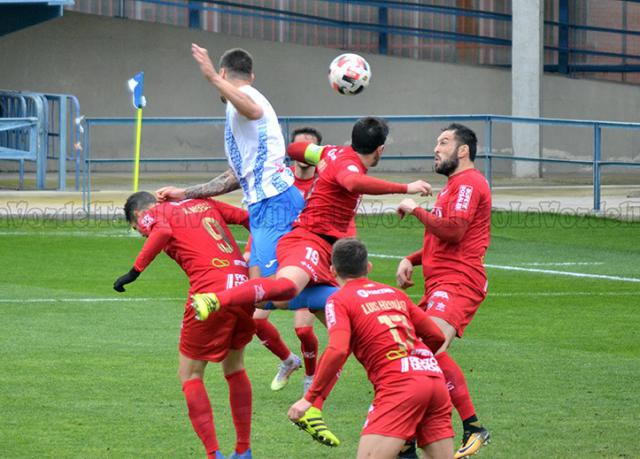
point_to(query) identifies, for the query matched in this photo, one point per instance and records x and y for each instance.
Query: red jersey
(381, 322)
(306, 187)
(194, 233)
(331, 206)
(467, 198)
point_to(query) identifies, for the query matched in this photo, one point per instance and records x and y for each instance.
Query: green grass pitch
(552, 360)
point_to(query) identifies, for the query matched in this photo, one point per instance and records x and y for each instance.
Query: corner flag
(136, 86)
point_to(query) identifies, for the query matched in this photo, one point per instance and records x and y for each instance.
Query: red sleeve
(332, 361)
(296, 150)
(337, 350)
(360, 183)
(447, 229)
(159, 236)
(415, 258)
(426, 329)
(232, 214)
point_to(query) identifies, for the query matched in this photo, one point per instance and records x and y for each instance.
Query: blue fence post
(121, 10)
(194, 15)
(21, 175)
(488, 161)
(87, 167)
(383, 37)
(563, 37)
(62, 144)
(597, 144)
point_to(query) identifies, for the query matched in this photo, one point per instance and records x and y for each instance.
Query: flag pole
(136, 167)
(136, 86)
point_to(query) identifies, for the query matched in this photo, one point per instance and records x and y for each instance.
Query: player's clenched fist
(121, 281)
(170, 193)
(404, 273)
(297, 410)
(419, 187)
(406, 207)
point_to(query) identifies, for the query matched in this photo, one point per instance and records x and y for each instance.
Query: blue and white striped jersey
(255, 150)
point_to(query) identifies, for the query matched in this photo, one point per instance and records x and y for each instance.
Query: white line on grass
(564, 263)
(58, 233)
(84, 300)
(563, 273)
(549, 294)
(535, 270)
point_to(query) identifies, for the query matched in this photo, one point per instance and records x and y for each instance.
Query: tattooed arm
(223, 183)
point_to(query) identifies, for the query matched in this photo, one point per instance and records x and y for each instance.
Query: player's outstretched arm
(305, 152)
(221, 184)
(332, 360)
(158, 239)
(241, 101)
(419, 187)
(364, 184)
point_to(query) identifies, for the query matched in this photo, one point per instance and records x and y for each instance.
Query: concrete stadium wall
(92, 57)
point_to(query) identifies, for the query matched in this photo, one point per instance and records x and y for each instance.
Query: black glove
(121, 281)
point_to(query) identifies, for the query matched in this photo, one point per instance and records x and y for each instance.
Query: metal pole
(597, 141)
(21, 175)
(563, 37)
(488, 161)
(87, 167)
(194, 15)
(383, 38)
(62, 143)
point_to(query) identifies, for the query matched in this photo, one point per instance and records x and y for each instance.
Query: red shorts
(308, 251)
(212, 339)
(415, 407)
(454, 303)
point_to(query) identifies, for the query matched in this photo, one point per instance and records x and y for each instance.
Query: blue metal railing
(486, 153)
(58, 132)
(379, 22)
(17, 104)
(25, 147)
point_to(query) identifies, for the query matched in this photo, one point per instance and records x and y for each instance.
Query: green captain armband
(312, 154)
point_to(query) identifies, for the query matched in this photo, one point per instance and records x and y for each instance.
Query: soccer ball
(349, 74)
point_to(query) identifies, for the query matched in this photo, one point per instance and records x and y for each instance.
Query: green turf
(552, 361)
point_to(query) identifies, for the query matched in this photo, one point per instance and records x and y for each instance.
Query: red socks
(201, 413)
(309, 347)
(256, 290)
(240, 401)
(457, 386)
(269, 335)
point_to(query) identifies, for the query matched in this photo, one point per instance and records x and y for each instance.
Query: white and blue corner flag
(136, 86)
